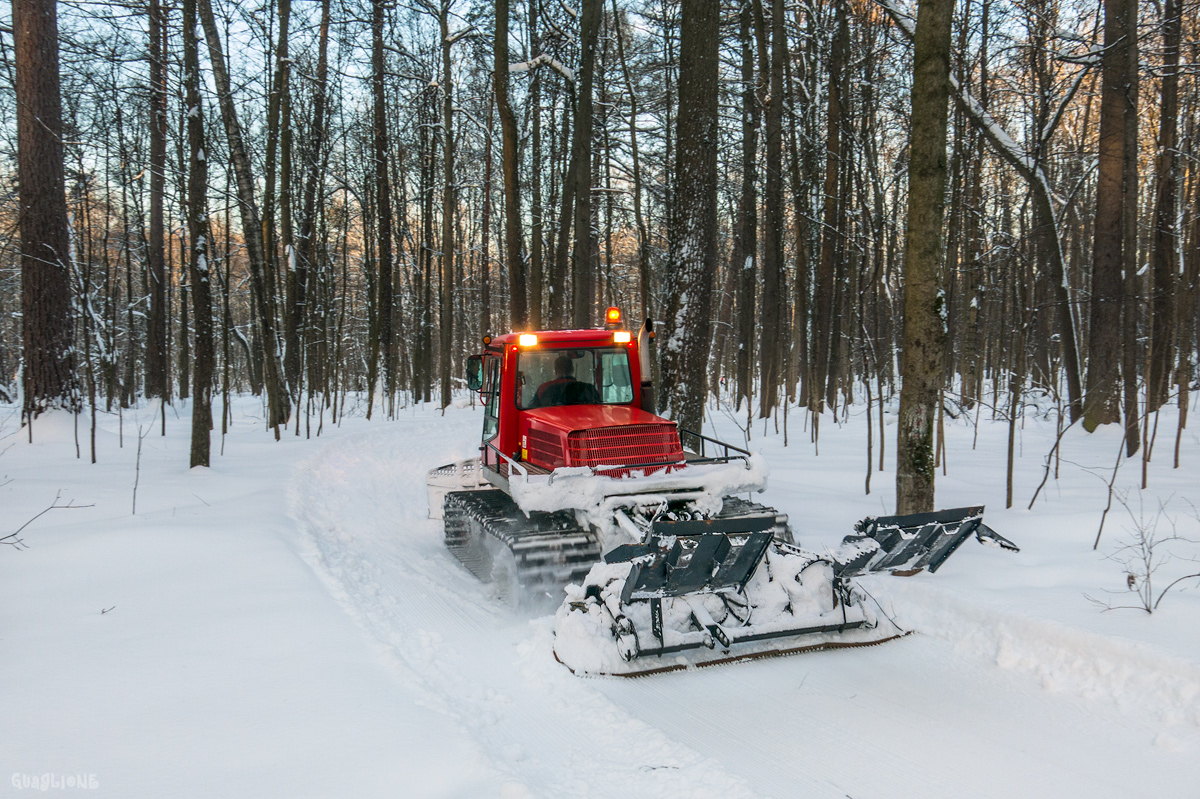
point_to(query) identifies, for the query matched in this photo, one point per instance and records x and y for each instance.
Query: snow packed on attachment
(616, 624)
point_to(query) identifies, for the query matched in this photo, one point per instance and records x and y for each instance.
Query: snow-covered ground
(288, 623)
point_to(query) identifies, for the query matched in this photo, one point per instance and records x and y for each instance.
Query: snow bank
(1127, 674)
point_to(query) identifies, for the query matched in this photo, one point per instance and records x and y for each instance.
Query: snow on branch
(905, 20)
(1010, 150)
(454, 37)
(543, 60)
(1068, 34)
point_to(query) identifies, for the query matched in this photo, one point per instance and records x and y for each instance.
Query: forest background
(338, 200)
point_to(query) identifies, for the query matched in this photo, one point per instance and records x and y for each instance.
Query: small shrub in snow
(1149, 543)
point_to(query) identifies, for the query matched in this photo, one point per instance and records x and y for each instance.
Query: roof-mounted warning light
(612, 317)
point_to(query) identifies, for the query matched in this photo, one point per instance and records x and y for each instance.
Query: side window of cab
(491, 390)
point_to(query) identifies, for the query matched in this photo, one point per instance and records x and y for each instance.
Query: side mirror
(475, 372)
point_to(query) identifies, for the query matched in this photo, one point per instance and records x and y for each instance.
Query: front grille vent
(624, 445)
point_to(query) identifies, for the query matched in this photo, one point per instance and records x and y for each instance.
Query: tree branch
(14, 539)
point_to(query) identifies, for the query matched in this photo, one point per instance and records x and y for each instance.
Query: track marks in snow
(361, 503)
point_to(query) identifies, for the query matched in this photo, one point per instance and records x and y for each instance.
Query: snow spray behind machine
(580, 484)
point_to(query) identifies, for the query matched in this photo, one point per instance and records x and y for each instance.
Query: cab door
(491, 409)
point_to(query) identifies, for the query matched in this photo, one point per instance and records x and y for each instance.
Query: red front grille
(545, 449)
(624, 445)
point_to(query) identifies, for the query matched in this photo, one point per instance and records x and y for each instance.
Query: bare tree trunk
(802, 307)
(973, 271)
(428, 118)
(299, 292)
(278, 402)
(383, 208)
(1188, 313)
(1104, 346)
(129, 391)
(693, 223)
(1165, 236)
(772, 340)
(46, 323)
(185, 353)
(558, 311)
(537, 279)
(923, 355)
(584, 282)
(156, 322)
(485, 237)
(278, 121)
(513, 244)
(449, 201)
(603, 161)
(227, 331)
(277, 284)
(825, 346)
(643, 251)
(1131, 299)
(201, 242)
(745, 258)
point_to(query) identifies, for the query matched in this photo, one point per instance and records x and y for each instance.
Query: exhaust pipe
(646, 364)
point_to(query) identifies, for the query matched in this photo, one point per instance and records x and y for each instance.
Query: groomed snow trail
(938, 714)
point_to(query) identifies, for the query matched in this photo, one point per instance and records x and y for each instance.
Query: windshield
(547, 377)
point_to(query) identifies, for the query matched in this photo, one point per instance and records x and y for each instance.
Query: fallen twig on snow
(14, 539)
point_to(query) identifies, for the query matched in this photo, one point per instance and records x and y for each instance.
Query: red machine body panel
(611, 433)
(597, 435)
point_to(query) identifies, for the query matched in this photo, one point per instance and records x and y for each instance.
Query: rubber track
(550, 549)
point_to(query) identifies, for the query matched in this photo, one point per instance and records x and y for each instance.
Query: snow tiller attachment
(574, 462)
(698, 593)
